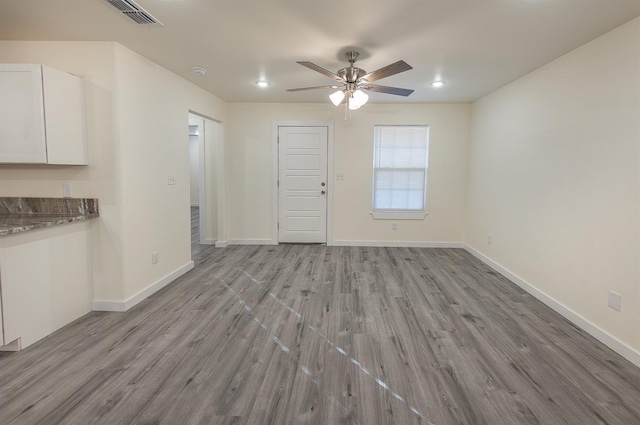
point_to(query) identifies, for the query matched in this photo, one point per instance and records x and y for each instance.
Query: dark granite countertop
(10, 224)
(23, 214)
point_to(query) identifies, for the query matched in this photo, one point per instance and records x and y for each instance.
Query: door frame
(276, 170)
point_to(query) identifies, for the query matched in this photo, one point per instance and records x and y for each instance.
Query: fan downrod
(352, 57)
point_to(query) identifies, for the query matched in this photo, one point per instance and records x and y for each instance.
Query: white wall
(249, 174)
(153, 114)
(94, 61)
(137, 116)
(554, 176)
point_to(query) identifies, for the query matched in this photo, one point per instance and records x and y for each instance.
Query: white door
(302, 184)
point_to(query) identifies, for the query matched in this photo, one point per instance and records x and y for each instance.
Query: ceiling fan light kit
(337, 97)
(357, 99)
(353, 80)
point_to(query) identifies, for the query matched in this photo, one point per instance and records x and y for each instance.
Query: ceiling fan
(352, 81)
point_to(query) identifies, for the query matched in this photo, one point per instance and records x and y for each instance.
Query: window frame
(398, 214)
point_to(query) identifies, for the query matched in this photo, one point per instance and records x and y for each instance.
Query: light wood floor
(323, 335)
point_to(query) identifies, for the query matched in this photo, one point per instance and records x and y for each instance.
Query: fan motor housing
(351, 74)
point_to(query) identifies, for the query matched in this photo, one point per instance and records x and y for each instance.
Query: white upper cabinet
(65, 124)
(42, 116)
(22, 136)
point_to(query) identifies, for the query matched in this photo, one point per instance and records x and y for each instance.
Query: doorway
(303, 184)
(195, 143)
(203, 142)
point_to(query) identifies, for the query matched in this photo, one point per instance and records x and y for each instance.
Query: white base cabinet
(42, 116)
(45, 281)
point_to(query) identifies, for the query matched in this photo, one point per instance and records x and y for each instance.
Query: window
(400, 159)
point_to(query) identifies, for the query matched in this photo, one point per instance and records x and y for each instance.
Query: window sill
(399, 215)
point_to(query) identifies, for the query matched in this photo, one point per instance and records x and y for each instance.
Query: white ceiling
(476, 46)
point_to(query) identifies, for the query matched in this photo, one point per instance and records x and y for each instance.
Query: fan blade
(321, 70)
(316, 87)
(389, 90)
(387, 71)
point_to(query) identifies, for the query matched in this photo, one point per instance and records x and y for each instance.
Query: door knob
(322, 192)
(322, 184)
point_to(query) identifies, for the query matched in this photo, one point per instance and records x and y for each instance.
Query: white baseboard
(252, 242)
(399, 244)
(208, 242)
(150, 290)
(391, 244)
(108, 306)
(12, 346)
(601, 335)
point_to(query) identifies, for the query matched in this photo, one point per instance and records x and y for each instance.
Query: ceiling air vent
(134, 12)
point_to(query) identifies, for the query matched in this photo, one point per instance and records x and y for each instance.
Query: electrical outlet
(489, 239)
(615, 300)
(171, 180)
(154, 257)
(394, 226)
(66, 190)
(340, 176)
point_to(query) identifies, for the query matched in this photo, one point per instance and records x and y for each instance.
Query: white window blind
(400, 159)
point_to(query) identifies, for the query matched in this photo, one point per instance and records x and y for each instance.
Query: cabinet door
(22, 137)
(64, 106)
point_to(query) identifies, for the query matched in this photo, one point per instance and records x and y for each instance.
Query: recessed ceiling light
(198, 70)
(262, 84)
(438, 83)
